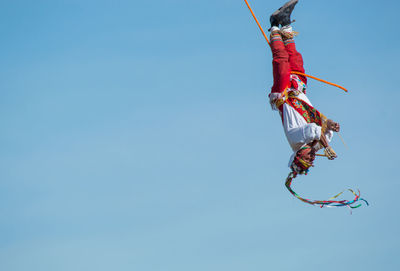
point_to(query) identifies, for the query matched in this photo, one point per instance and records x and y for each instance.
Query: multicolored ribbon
(331, 202)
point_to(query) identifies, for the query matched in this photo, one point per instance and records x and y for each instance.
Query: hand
(330, 153)
(333, 126)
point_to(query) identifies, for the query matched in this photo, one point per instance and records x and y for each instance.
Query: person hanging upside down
(306, 129)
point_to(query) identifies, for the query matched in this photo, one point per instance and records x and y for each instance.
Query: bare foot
(334, 126)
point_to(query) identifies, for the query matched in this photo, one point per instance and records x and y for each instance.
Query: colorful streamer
(331, 202)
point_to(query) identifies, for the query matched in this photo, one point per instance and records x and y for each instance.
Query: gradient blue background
(137, 135)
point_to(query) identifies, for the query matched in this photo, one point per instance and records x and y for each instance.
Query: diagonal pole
(321, 80)
(255, 18)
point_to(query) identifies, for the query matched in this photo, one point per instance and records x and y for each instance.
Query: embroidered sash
(309, 113)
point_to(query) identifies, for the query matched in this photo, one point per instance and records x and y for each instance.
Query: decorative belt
(287, 93)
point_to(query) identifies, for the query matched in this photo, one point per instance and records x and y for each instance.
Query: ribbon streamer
(331, 202)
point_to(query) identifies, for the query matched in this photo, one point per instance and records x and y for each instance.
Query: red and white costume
(301, 121)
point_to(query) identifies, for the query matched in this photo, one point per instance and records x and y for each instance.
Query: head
(303, 160)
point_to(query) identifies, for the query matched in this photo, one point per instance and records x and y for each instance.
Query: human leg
(282, 17)
(280, 62)
(295, 58)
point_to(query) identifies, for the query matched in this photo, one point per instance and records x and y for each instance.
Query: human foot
(282, 15)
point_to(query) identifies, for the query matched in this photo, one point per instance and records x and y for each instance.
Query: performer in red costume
(306, 129)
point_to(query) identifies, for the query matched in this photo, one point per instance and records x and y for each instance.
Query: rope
(299, 73)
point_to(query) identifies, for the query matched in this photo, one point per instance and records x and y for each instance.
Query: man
(306, 129)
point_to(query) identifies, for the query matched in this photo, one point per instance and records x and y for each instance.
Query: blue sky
(138, 136)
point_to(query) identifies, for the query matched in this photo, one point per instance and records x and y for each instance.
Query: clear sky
(136, 135)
